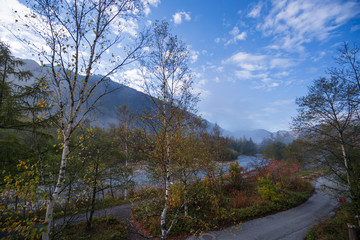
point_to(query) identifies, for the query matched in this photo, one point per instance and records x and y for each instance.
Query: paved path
(292, 224)
(122, 212)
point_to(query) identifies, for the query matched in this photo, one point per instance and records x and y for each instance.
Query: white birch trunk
(164, 231)
(55, 195)
(126, 190)
(346, 163)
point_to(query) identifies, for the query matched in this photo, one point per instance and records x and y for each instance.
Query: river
(142, 178)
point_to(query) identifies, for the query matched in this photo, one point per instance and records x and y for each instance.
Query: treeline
(294, 151)
(232, 148)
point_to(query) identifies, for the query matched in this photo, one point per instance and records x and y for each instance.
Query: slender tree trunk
(345, 157)
(346, 163)
(127, 177)
(59, 184)
(186, 205)
(111, 186)
(3, 82)
(16, 204)
(93, 196)
(164, 231)
(68, 199)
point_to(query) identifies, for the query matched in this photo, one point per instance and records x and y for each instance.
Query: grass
(103, 228)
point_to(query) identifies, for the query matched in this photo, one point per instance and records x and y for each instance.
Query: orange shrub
(240, 199)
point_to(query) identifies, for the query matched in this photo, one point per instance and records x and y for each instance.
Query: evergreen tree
(11, 109)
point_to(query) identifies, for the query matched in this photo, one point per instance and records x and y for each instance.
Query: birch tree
(168, 81)
(327, 117)
(79, 37)
(126, 126)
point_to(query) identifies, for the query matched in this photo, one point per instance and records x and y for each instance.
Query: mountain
(109, 104)
(257, 135)
(263, 136)
(285, 137)
(106, 109)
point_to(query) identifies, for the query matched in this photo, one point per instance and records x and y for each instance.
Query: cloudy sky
(250, 59)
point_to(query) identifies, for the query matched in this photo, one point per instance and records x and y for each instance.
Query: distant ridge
(261, 135)
(257, 135)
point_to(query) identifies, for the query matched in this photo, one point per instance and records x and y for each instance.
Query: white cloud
(194, 55)
(148, 3)
(248, 61)
(270, 110)
(267, 84)
(133, 78)
(179, 16)
(199, 88)
(285, 102)
(218, 40)
(255, 12)
(256, 62)
(355, 28)
(282, 74)
(236, 35)
(220, 69)
(245, 74)
(7, 17)
(129, 26)
(296, 22)
(264, 71)
(318, 56)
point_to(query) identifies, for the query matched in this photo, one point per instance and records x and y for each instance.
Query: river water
(142, 178)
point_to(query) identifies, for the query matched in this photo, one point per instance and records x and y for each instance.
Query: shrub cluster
(239, 198)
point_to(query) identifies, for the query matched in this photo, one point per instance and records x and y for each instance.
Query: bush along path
(242, 199)
(292, 224)
(218, 202)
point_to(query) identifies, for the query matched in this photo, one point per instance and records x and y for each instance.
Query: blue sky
(253, 58)
(250, 59)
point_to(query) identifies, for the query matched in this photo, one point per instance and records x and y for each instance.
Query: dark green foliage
(295, 151)
(12, 112)
(244, 146)
(275, 151)
(12, 149)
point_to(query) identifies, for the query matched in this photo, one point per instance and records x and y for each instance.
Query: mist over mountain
(257, 135)
(138, 102)
(285, 137)
(261, 135)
